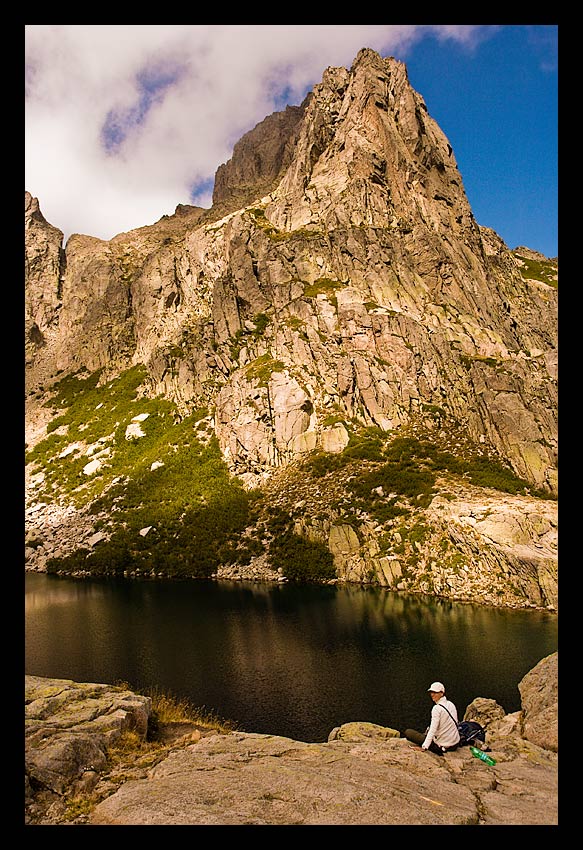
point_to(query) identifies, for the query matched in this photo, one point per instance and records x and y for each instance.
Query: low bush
(302, 560)
(321, 463)
(75, 562)
(168, 708)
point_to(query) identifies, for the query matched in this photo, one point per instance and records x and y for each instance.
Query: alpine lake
(282, 659)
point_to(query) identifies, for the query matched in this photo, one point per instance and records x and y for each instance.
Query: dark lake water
(282, 659)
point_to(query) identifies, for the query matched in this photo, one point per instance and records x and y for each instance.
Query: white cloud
(121, 121)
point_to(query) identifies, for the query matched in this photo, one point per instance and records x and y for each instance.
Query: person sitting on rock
(442, 734)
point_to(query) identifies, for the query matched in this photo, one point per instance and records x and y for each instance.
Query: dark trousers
(418, 738)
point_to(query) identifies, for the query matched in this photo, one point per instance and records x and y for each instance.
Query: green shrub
(485, 472)
(366, 445)
(482, 470)
(110, 558)
(191, 544)
(322, 463)
(76, 562)
(277, 522)
(383, 511)
(302, 560)
(404, 480)
(260, 321)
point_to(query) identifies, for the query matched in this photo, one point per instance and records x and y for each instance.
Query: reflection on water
(282, 659)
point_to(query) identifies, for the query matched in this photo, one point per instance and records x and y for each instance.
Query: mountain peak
(340, 276)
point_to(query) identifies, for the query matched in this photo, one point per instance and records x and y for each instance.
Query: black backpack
(469, 731)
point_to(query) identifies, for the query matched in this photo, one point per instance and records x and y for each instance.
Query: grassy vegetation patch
(168, 481)
(408, 454)
(92, 426)
(262, 368)
(193, 510)
(78, 807)
(323, 286)
(169, 708)
(405, 468)
(544, 270)
(73, 387)
(410, 481)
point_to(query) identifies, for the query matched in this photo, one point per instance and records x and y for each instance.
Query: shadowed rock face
(364, 774)
(347, 277)
(259, 160)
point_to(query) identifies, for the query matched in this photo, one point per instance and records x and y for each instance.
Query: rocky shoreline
(57, 530)
(363, 774)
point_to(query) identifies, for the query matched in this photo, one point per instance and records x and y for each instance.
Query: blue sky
(498, 105)
(123, 122)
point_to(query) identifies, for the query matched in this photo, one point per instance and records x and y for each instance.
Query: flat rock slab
(241, 778)
(524, 794)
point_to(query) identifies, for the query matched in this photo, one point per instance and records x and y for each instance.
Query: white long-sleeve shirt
(442, 729)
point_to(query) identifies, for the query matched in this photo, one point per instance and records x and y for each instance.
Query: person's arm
(431, 732)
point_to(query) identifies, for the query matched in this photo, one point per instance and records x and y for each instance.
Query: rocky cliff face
(44, 268)
(346, 280)
(259, 161)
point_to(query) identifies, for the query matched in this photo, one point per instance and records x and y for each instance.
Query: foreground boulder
(248, 779)
(69, 726)
(364, 774)
(539, 698)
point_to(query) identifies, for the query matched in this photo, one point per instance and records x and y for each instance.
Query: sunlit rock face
(43, 269)
(339, 277)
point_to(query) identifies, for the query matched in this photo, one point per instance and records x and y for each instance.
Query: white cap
(437, 687)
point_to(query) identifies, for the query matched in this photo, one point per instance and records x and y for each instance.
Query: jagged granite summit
(339, 275)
